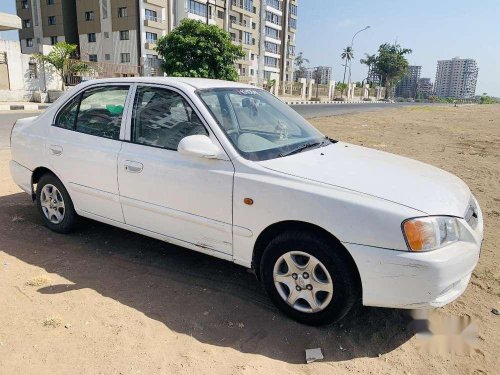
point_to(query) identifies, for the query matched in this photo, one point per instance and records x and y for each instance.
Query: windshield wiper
(305, 147)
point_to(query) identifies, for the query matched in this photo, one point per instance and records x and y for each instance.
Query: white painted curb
(23, 107)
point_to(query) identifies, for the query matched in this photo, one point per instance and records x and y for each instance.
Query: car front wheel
(54, 204)
(309, 278)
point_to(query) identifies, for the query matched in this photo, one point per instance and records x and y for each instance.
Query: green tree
(391, 65)
(346, 55)
(369, 61)
(270, 84)
(300, 61)
(62, 58)
(300, 64)
(195, 49)
(486, 99)
(341, 86)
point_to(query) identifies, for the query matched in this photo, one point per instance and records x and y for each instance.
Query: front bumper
(404, 279)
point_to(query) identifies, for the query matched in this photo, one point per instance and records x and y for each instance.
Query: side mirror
(199, 146)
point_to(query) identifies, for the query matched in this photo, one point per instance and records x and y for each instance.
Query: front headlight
(429, 233)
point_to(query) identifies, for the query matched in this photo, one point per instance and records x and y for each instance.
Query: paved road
(320, 110)
(7, 119)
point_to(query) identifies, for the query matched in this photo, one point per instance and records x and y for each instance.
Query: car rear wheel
(309, 278)
(54, 204)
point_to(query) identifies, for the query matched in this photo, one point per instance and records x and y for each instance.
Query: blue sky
(8, 6)
(434, 30)
(438, 29)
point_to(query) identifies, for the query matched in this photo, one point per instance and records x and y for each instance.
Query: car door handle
(55, 150)
(133, 166)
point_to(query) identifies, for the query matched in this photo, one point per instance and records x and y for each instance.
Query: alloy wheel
(303, 281)
(52, 203)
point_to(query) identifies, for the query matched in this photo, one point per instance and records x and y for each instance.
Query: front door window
(162, 118)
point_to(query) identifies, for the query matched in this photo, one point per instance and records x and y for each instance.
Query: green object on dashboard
(115, 109)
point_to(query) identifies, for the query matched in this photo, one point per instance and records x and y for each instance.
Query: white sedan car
(229, 170)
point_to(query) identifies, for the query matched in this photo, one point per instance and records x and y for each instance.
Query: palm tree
(369, 61)
(346, 55)
(62, 58)
(317, 78)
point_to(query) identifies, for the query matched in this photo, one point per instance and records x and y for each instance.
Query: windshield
(259, 125)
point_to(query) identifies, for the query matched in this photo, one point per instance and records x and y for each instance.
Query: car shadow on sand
(214, 301)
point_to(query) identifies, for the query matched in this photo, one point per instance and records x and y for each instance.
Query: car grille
(471, 215)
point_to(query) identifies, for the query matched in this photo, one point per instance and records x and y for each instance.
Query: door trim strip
(200, 220)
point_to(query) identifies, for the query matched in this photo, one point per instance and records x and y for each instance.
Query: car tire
(333, 265)
(55, 205)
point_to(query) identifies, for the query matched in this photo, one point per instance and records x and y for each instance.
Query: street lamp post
(352, 43)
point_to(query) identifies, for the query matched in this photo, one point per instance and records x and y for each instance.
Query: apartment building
(373, 78)
(324, 75)
(126, 31)
(425, 88)
(265, 29)
(321, 74)
(279, 28)
(123, 31)
(456, 78)
(306, 73)
(241, 18)
(46, 22)
(407, 86)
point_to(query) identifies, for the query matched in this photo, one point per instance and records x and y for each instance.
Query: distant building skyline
(425, 88)
(373, 78)
(324, 72)
(336, 18)
(434, 30)
(407, 86)
(456, 78)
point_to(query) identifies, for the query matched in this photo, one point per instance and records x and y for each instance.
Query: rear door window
(66, 118)
(101, 110)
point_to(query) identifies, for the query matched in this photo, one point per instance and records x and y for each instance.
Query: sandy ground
(105, 301)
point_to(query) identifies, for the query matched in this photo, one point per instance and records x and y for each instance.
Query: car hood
(394, 178)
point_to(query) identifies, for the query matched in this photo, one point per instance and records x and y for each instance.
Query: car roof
(197, 83)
